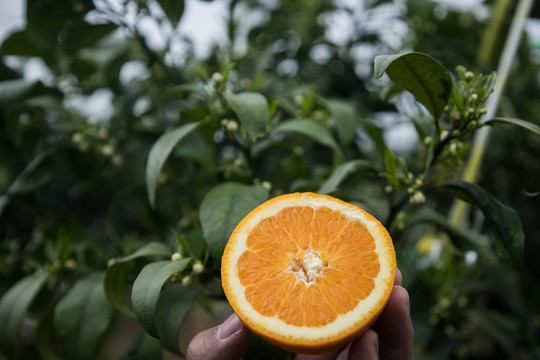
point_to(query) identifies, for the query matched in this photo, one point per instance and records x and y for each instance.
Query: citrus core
(307, 272)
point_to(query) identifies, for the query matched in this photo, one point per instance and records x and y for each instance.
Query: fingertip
(228, 341)
(399, 299)
(365, 347)
(230, 327)
(399, 277)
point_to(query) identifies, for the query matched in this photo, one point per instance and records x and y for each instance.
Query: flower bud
(24, 119)
(232, 126)
(267, 185)
(117, 159)
(107, 150)
(186, 281)
(76, 137)
(455, 115)
(197, 268)
(102, 133)
(176, 256)
(238, 162)
(453, 148)
(70, 264)
(443, 135)
(217, 77)
(417, 198)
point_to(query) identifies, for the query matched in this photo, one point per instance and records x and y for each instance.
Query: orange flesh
(308, 266)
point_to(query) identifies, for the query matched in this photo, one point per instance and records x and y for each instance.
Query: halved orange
(307, 272)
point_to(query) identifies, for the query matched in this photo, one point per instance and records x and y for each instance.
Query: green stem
(395, 209)
(480, 141)
(491, 34)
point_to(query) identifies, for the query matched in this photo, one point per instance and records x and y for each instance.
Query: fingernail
(376, 345)
(230, 327)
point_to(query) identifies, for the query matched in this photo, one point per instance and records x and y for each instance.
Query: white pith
(311, 266)
(307, 266)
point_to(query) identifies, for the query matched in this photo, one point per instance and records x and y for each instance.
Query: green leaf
(63, 245)
(311, 129)
(195, 242)
(150, 249)
(456, 98)
(159, 153)
(147, 287)
(34, 175)
(174, 9)
(390, 163)
(421, 75)
(18, 43)
(172, 306)
(145, 347)
(223, 208)
(12, 91)
(190, 242)
(4, 201)
(115, 276)
(45, 20)
(114, 285)
(7, 73)
(252, 111)
(343, 117)
(44, 336)
(461, 239)
(14, 305)
(82, 34)
(341, 173)
(500, 327)
(82, 317)
(503, 220)
(518, 122)
(186, 88)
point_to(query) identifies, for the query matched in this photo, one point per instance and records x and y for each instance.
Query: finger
(228, 341)
(399, 278)
(366, 347)
(394, 327)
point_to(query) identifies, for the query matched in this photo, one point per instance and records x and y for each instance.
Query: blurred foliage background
(75, 199)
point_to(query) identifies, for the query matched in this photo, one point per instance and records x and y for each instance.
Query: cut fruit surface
(307, 272)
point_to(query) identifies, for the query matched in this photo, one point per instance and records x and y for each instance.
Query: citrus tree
(126, 165)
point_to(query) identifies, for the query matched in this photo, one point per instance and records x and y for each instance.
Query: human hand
(391, 337)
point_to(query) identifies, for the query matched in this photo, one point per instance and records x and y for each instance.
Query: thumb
(228, 341)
